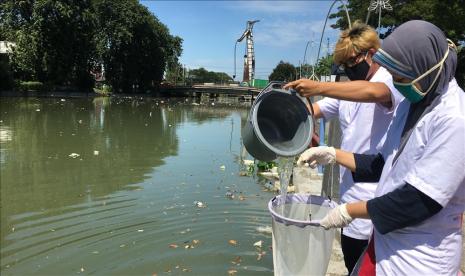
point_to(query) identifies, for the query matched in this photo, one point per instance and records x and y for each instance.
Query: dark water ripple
(126, 204)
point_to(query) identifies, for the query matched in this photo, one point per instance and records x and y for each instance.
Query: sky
(210, 29)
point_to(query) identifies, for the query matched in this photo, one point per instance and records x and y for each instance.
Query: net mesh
(299, 246)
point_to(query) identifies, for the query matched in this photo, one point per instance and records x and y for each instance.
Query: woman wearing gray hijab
(417, 211)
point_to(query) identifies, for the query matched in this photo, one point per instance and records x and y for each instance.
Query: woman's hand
(304, 87)
(317, 156)
(336, 218)
(344, 214)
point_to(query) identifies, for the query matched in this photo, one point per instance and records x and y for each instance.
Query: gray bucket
(279, 124)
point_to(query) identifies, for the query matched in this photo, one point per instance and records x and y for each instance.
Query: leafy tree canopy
(202, 75)
(54, 40)
(60, 42)
(135, 47)
(323, 67)
(447, 15)
(284, 71)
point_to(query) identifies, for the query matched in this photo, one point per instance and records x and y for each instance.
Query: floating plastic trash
(300, 245)
(200, 204)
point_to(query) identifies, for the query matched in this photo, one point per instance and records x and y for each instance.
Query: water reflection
(44, 133)
(113, 209)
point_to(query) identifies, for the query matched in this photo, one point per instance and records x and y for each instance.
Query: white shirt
(360, 135)
(433, 161)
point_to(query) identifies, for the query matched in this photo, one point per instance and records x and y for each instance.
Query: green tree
(13, 16)
(134, 46)
(174, 73)
(202, 75)
(198, 75)
(323, 67)
(54, 40)
(447, 15)
(223, 78)
(174, 51)
(60, 42)
(6, 79)
(284, 71)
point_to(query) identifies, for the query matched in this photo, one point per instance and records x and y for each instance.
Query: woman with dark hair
(420, 198)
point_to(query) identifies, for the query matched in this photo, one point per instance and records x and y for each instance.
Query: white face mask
(411, 92)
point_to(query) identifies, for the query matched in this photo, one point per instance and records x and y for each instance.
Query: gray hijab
(411, 50)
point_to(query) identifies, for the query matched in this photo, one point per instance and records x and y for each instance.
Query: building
(6, 47)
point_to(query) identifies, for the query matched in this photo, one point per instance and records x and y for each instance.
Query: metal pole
(379, 20)
(235, 46)
(322, 141)
(378, 5)
(326, 20)
(305, 55)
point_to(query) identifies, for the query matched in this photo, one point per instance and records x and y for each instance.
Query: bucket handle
(270, 86)
(279, 85)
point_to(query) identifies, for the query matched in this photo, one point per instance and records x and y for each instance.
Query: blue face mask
(411, 92)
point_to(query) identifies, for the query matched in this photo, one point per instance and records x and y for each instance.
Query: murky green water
(107, 187)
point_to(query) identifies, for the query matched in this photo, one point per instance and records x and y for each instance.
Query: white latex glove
(317, 155)
(336, 218)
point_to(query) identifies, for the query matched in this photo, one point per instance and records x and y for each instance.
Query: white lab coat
(360, 135)
(433, 161)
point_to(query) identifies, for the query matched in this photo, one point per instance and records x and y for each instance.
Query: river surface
(129, 186)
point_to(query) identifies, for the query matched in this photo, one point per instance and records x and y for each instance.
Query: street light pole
(305, 54)
(377, 6)
(326, 20)
(184, 74)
